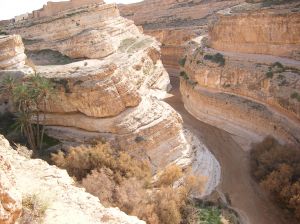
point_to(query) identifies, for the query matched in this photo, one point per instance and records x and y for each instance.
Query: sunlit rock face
(247, 89)
(11, 52)
(266, 31)
(108, 79)
(12, 64)
(10, 198)
(174, 23)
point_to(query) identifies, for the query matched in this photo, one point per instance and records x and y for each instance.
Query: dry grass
(34, 209)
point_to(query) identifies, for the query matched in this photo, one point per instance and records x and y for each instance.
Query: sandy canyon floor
(252, 204)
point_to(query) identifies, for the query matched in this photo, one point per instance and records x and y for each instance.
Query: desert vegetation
(277, 168)
(216, 58)
(129, 184)
(28, 96)
(34, 209)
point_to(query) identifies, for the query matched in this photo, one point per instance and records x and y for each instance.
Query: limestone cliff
(249, 95)
(107, 86)
(174, 23)
(259, 31)
(65, 202)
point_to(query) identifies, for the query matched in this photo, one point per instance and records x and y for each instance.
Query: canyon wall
(108, 85)
(174, 23)
(249, 95)
(277, 32)
(64, 202)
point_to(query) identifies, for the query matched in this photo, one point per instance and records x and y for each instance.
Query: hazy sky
(11, 8)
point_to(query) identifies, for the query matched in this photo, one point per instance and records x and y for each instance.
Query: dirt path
(245, 195)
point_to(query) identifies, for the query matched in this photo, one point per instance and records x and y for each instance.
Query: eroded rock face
(65, 202)
(249, 95)
(174, 23)
(92, 31)
(112, 95)
(269, 31)
(11, 52)
(10, 199)
(12, 64)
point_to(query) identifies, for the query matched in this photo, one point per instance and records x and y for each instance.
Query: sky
(11, 8)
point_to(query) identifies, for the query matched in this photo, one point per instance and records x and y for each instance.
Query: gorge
(188, 82)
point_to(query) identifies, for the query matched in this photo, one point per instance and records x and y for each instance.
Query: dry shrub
(34, 208)
(80, 161)
(277, 168)
(101, 184)
(120, 180)
(169, 202)
(171, 174)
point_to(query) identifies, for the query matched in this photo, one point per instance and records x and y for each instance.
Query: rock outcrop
(174, 23)
(110, 86)
(262, 31)
(249, 95)
(10, 198)
(65, 202)
(11, 52)
(12, 63)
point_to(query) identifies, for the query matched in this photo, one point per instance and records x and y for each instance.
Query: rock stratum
(174, 23)
(245, 79)
(21, 177)
(109, 80)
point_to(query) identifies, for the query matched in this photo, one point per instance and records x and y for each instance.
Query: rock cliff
(250, 95)
(65, 202)
(259, 30)
(174, 23)
(108, 80)
(11, 52)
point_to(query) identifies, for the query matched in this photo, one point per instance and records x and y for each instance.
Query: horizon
(11, 8)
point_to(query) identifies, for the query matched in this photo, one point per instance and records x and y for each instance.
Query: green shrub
(216, 58)
(210, 215)
(269, 74)
(184, 75)
(182, 61)
(296, 96)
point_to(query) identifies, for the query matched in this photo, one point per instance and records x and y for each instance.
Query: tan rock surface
(272, 31)
(10, 199)
(11, 52)
(112, 96)
(174, 23)
(248, 95)
(93, 31)
(66, 203)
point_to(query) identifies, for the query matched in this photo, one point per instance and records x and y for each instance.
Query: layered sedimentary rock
(12, 63)
(11, 52)
(65, 202)
(249, 95)
(112, 91)
(262, 31)
(174, 23)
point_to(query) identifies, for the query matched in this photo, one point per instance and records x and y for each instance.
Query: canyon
(239, 76)
(109, 83)
(204, 81)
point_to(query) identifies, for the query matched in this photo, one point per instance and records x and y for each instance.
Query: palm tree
(29, 99)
